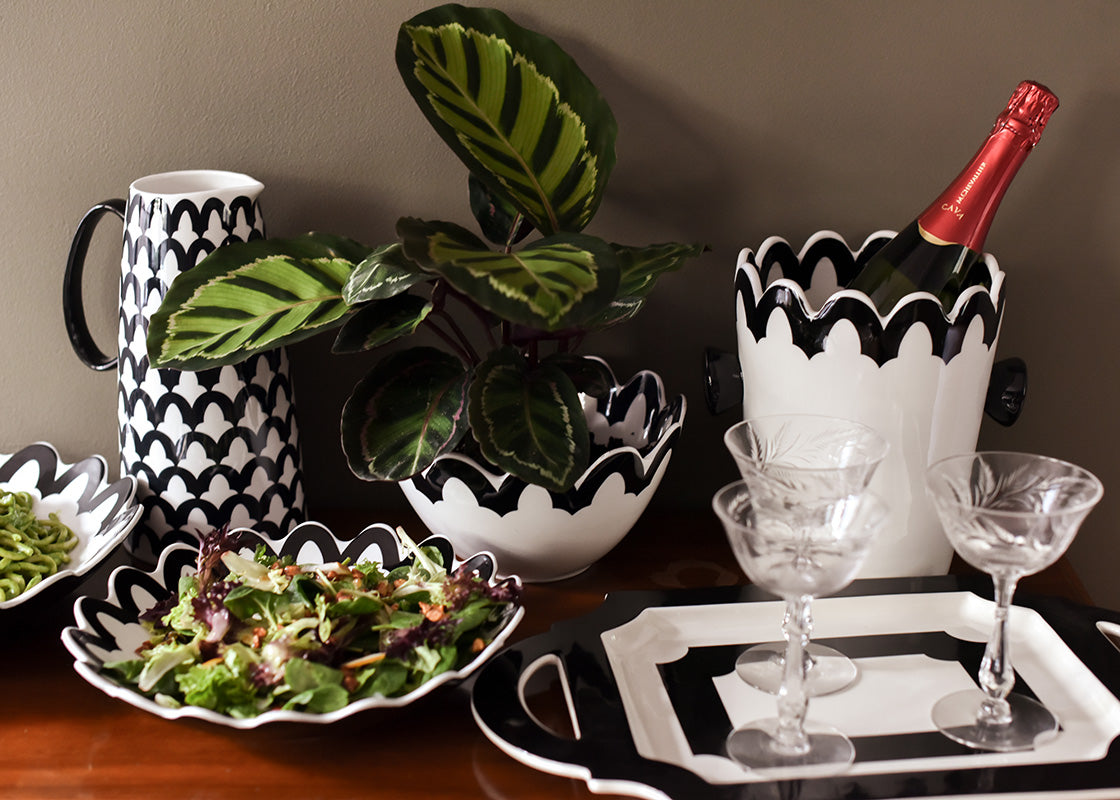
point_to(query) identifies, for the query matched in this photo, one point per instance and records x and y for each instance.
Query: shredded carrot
(364, 661)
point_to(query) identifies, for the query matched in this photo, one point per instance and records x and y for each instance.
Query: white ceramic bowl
(100, 513)
(542, 535)
(109, 629)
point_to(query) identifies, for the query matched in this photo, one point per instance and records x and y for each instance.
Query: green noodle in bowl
(30, 548)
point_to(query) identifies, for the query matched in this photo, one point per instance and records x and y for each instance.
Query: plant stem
(466, 353)
(483, 316)
(462, 344)
(489, 332)
(450, 320)
(513, 231)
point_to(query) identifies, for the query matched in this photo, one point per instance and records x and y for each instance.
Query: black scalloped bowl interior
(109, 629)
(812, 311)
(100, 513)
(633, 430)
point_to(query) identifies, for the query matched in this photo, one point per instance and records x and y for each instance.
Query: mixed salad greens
(246, 635)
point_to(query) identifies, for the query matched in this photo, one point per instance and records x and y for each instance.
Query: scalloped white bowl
(100, 513)
(109, 629)
(542, 535)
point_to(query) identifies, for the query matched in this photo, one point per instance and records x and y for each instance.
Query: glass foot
(829, 670)
(828, 752)
(1031, 723)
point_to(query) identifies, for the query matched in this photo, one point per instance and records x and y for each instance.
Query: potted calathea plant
(537, 139)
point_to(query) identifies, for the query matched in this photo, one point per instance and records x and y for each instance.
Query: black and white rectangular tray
(651, 690)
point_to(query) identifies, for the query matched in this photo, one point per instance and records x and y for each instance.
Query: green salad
(246, 635)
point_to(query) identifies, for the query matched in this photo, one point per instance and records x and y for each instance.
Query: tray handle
(548, 660)
(501, 709)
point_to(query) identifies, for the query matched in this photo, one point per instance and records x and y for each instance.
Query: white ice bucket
(919, 377)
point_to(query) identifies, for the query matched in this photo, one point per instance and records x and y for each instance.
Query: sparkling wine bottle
(935, 252)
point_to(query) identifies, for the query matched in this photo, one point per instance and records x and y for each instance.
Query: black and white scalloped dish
(633, 428)
(109, 629)
(813, 304)
(100, 513)
(542, 535)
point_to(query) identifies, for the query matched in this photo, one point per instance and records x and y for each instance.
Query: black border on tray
(606, 757)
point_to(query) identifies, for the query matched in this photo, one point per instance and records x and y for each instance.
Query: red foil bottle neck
(963, 213)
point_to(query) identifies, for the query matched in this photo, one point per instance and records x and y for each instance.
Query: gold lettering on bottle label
(954, 209)
(968, 186)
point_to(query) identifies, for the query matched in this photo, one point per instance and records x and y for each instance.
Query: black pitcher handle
(73, 311)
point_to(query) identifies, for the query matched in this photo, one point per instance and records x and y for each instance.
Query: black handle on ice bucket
(1007, 387)
(723, 380)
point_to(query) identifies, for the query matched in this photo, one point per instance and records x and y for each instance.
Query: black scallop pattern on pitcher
(181, 434)
(880, 343)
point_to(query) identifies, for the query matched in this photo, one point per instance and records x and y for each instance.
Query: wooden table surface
(60, 737)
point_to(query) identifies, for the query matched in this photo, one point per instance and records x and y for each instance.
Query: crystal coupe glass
(799, 548)
(816, 456)
(1010, 515)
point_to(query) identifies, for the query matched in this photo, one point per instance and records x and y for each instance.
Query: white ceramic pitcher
(210, 448)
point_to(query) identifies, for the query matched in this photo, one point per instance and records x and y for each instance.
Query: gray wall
(738, 120)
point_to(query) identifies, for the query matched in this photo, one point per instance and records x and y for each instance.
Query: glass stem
(997, 676)
(793, 703)
(810, 662)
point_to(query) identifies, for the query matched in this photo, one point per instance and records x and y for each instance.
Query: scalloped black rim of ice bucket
(876, 341)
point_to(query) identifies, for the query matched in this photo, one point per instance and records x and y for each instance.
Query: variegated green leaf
(408, 409)
(556, 282)
(383, 273)
(529, 421)
(515, 108)
(641, 267)
(619, 310)
(380, 322)
(248, 297)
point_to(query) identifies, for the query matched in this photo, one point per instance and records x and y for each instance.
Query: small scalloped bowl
(100, 513)
(109, 629)
(546, 536)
